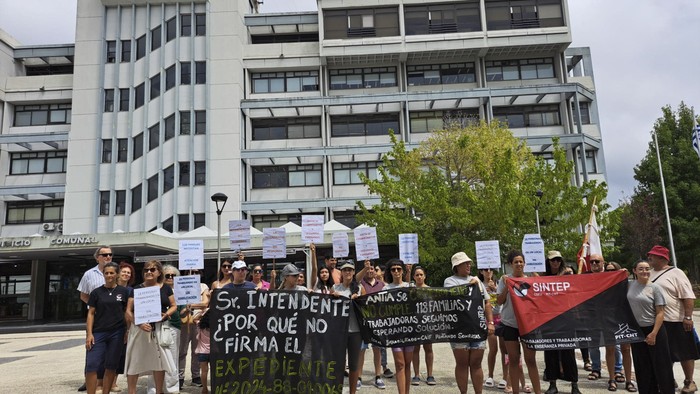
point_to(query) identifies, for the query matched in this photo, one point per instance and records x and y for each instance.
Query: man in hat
(678, 313)
(240, 271)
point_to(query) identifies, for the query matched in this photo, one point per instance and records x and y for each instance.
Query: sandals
(587, 366)
(631, 387)
(526, 388)
(508, 390)
(595, 375)
(619, 377)
(612, 385)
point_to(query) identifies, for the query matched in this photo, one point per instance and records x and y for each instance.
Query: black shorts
(681, 342)
(507, 332)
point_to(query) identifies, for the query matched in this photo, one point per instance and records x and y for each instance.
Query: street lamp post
(219, 198)
(539, 194)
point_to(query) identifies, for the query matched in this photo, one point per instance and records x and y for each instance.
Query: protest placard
(312, 228)
(147, 305)
(366, 244)
(408, 248)
(533, 251)
(341, 246)
(274, 243)
(278, 341)
(239, 234)
(488, 254)
(191, 255)
(187, 289)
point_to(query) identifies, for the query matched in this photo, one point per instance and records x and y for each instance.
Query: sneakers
(415, 381)
(388, 373)
(489, 382)
(430, 380)
(82, 388)
(379, 383)
(197, 382)
(359, 383)
(689, 387)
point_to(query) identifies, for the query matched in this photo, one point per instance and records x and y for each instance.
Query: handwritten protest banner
(187, 290)
(488, 254)
(239, 234)
(412, 316)
(274, 243)
(278, 341)
(341, 246)
(408, 248)
(533, 251)
(147, 305)
(191, 255)
(312, 228)
(366, 244)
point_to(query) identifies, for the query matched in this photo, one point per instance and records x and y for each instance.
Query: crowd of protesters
(660, 297)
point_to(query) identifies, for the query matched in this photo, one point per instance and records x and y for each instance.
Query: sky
(646, 55)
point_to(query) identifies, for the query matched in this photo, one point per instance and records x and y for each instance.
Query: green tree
(681, 170)
(479, 182)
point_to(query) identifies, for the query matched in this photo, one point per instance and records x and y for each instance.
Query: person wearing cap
(403, 355)
(349, 288)
(290, 275)
(188, 334)
(368, 280)
(559, 364)
(597, 263)
(678, 313)
(468, 355)
(240, 271)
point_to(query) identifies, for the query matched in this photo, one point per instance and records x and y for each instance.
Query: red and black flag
(573, 311)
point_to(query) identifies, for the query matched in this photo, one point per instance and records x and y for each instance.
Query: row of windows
(265, 177)
(48, 162)
(436, 74)
(156, 36)
(28, 212)
(155, 84)
(508, 70)
(358, 78)
(292, 81)
(464, 16)
(41, 115)
(169, 130)
(183, 222)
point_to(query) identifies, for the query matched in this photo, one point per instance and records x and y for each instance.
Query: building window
(171, 29)
(122, 150)
(107, 150)
(169, 127)
(104, 203)
(427, 121)
(138, 146)
(136, 198)
(286, 128)
(126, 51)
(109, 100)
(199, 220)
(346, 218)
(170, 77)
(185, 25)
(591, 163)
(547, 157)
(185, 122)
(155, 86)
(168, 178)
(435, 74)
(508, 70)
(200, 72)
(585, 112)
(120, 202)
(528, 116)
(292, 81)
(27, 212)
(124, 99)
(50, 162)
(200, 172)
(349, 173)
(184, 173)
(523, 14)
(266, 221)
(140, 47)
(153, 136)
(352, 125)
(183, 222)
(200, 21)
(168, 224)
(42, 115)
(287, 176)
(443, 18)
(139, 95)
(358, 78)
(111, 52)
(156, 38)
(200, 122)
(185, 73)
(152, 188)
(358, 23)
(284, 38)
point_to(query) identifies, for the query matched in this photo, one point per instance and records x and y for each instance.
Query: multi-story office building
(122, 137)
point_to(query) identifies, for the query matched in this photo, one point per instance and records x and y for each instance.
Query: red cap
(660, 251)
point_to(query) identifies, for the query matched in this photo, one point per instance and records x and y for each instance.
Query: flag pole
(663, 193)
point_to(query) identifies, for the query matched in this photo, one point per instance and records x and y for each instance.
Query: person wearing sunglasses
(403, 355)
(225, 275)
(147, 350)
(240, 271)
(188, 335)
(349, 288)
(257, 278)
(92, 279)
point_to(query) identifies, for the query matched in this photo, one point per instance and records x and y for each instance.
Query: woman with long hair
(419, 281)
(126, 278)
(621, 354)
(324, 282)
(403, 355)
(509, 328)
(225, 275)
(256, 277)
(488, 277)
(349, 288)
(147, 350)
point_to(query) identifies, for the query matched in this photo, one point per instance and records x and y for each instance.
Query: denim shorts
(203, 357)
(474, 345)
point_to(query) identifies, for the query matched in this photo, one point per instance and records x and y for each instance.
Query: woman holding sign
(147, 350)
(403, 355)
(509, 327)
(419, 281)
(349, 288)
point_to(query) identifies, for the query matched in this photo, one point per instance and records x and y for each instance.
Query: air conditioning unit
(49, 226)
(59, 227)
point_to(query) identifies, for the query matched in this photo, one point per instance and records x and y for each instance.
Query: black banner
(411, 316)
(277, 342)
